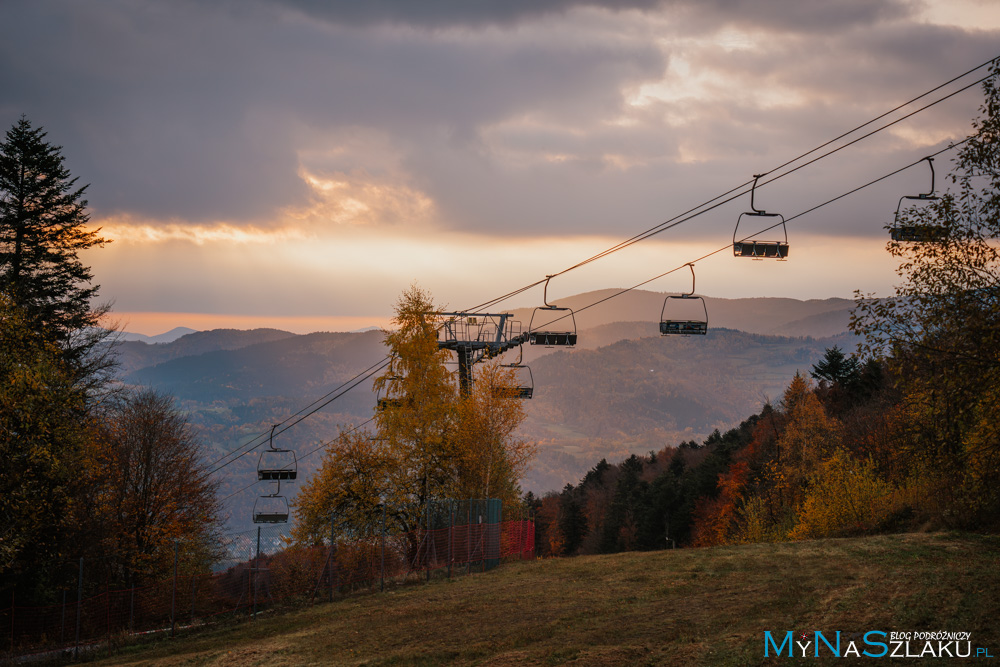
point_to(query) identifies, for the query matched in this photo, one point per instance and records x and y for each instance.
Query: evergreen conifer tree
(43, 228)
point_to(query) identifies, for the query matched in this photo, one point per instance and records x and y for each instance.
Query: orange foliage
(714, 518)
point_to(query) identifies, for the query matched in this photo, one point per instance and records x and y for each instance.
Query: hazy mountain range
(167, 337)
(623, 389)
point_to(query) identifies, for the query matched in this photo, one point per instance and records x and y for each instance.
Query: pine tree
(43, 227)
(836, 368)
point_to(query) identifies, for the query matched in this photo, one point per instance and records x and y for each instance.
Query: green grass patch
(693, 606)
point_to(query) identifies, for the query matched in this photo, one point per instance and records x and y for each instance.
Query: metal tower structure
(478, 336)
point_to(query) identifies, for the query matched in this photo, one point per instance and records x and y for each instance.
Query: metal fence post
(451, 534)
(173, 595)
(256, 575)
(194, 580)
(79, 608)
(131, 604)
(107, 607)
(62, 624)
(382, 551)
(330, 558)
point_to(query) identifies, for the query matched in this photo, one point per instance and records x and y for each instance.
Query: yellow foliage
(349, 487)
(753, 523)
(982, 456)
(430, 442)
(846, 497)
(491, 459)
(809, 437)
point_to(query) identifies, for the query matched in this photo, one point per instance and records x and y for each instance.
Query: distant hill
(624, 389)
(133, 355)
(829, 323)
(768, 315)
(167, 337)
(637, 395)
(282, 364)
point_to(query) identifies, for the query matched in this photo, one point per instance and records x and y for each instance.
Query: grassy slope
(697, 606)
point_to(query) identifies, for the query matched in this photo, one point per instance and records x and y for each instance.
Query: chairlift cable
(310, 453)
(680, 218)
(797, 215)
(657, 277)
(661, 227)
(700, 209)
(656, 229)
(330, 398)
(264, 435)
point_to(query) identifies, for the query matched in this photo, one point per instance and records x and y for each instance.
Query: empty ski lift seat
(754, 248)
(760, 249)
(565, 336)
(684, 328)
(276, 464)
(552, 338)
(917, 232)
(676, 314)
(271, 508)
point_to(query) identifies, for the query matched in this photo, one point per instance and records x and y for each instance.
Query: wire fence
(262, 571)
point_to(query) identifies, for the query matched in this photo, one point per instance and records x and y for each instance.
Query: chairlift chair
(275, 464)
(672, 324)
(272, 508)
(917, 233)
(524, 383)
(754, 248)
(384, 402)
(563, 337)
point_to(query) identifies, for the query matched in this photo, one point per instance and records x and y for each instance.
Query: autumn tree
(43, 228)
(940, 331)
(846, 497)
(492, 458)
(807, 439)
(429, 441)
(44, 430)
(148, 488)
(349, 488)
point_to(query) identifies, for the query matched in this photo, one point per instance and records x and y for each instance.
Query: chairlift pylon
(564, 336)
(754, 248)
(672, 323)
(917, 233)
(272, 508)
(275, 464)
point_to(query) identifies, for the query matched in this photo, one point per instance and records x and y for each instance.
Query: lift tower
(477, 336)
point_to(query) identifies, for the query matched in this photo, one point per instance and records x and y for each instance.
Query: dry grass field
(684, 607)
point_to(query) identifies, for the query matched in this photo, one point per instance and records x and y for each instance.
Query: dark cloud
(809, 16)
(448, 13)
(797, 15)
(159, 108)
(183, 111)
(201, 111)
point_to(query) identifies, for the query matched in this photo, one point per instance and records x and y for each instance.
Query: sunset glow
(476, 153)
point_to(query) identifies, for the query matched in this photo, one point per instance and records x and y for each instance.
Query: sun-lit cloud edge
(129, 230)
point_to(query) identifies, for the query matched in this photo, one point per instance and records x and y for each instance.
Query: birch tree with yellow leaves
(429, 442)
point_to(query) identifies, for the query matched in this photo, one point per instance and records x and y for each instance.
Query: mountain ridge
(624, 389)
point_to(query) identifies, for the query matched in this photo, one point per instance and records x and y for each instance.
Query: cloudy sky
(298, 163)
